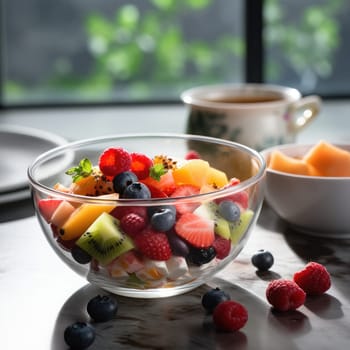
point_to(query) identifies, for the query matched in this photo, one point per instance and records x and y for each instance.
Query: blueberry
(136, 190)
(79, 335)
(154, 209)
(123, 180)
(214, 297)
(80, 255)
(178, 246)
(102, 308)
(200, 256)
(163, 219)
(262, 260)
(229, 210)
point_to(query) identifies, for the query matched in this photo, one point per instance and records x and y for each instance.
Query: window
(114, 51)
(306, 45)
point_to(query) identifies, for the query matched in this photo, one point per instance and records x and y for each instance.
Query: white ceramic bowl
(136, 275)
(311, 204)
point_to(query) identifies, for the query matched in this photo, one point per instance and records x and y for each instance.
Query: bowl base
(149, 293)
(329, 235)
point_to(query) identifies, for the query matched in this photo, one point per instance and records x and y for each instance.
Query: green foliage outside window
(150, 54)
(306, 44)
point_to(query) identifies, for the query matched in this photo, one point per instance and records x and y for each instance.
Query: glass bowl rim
(152, 201)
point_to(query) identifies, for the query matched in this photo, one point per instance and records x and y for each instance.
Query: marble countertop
(40, 296)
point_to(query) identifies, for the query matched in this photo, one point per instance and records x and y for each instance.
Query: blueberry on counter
(262, 260)
(214, 297)
(102, 308)
(79, 335)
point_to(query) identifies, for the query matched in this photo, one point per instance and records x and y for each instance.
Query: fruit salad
(147, 245)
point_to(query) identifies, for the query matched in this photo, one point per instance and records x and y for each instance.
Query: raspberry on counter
(314, 279)
(230, 316)
(285, 295)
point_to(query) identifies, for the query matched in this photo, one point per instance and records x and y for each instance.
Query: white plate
(14, 196)
(19, 146)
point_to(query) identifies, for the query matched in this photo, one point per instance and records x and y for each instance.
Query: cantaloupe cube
(328, 159)
(193, 172)
(84, 216)
(281, 162)
(216, 178)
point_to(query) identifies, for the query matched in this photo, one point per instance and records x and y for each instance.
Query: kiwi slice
(222, 227)
(103, 239)
(210, 211)
(239, 227)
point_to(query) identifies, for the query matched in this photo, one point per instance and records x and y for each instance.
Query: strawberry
(156, 193)
(47, 207)
(230, 316)
(114, 161)
(196, 230)
(154, 245)
(185, 191)
(165, 184)
(140, 165)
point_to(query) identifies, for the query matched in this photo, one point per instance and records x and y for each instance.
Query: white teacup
(256, 115)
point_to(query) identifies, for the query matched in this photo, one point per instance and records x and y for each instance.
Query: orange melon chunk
(329, 160)
(281, 162)
(216, 178)
(194, 172)
(83, 217)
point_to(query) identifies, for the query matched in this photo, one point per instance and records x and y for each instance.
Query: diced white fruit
(153, 271)
(130, 262)
(62, 213)
(177, 267)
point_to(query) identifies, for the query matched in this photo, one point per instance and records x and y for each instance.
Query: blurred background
(85, 52)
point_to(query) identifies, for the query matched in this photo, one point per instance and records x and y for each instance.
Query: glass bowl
(211, 207)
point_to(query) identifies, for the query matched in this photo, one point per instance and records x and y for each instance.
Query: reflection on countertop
(38, 285)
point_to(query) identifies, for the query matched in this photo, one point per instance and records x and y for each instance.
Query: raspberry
(114, 161)
(222, 247)
(140, 165)
(132, 224)
(192, 155)
(154, 245)
(314, 279)
(120, 211)
(285, 295)
(230, 316)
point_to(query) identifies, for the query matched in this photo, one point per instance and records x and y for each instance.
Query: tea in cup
(256, 115)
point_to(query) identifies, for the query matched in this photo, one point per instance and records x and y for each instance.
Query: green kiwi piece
(103, 240)
(239, 227)
(222, 227)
